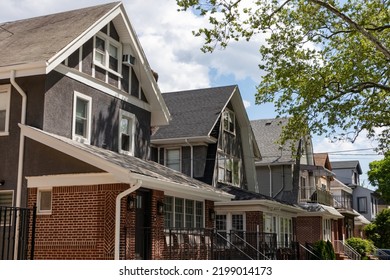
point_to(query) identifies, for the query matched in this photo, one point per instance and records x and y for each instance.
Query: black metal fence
(234, 245)
(17, 233)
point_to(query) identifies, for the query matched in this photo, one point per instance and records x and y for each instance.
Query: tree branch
(378, 45)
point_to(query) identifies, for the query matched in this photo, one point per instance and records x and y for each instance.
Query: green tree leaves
(325, 62)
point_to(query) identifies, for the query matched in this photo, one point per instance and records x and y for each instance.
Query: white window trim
(39, 210)
(228, 111)
(7, 90)
(79, 138)
(184, 211)
(108, 40)
(130, 116)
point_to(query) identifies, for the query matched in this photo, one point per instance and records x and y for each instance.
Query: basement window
(44, 201)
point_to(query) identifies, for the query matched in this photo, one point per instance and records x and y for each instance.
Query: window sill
(4, 133)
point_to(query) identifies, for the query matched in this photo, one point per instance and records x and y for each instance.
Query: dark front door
(142, 225)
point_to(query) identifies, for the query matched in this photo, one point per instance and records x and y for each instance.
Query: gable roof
(39, 45)
(267, 133)
(348, 164)
(38, 39)
(194, 112)
(322, 159)
(127, 168)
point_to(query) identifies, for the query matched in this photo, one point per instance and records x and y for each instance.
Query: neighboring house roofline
(185, 140)
(127, 169)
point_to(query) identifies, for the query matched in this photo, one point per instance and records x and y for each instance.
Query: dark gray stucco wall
(40, 160)
(9, 145)
(105, 114)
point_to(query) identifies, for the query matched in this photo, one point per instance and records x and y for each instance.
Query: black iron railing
(234, 245)
(16, 237)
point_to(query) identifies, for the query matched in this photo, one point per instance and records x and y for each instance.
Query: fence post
(34, 218)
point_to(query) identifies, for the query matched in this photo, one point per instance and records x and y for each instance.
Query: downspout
(21, 140)
(192, 159)
(135, 187)
(21, 157)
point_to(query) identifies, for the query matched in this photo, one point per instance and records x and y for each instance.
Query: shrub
(363, 246)
(323, 250)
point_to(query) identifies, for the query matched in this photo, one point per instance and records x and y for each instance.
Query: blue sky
(173, 52)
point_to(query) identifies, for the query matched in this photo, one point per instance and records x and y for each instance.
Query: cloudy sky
(172, 51)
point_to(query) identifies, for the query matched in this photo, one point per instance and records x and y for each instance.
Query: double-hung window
(5, 97)
(173, 159)
(107, 53)
(229, 121)
(126, 133)
(82, 115)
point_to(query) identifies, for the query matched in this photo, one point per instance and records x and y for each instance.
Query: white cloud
(246, 103)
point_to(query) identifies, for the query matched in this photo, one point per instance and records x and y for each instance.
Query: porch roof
(125, 168)
(316, 209)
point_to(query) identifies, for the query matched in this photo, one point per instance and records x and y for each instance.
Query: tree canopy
(325, 63)
(379, 176)
(379, 230)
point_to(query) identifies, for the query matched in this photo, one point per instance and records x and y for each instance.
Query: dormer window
(229, 121)
(4, 108)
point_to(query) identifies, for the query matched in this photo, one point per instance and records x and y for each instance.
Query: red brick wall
(254, 219)
(309, 229)
(81, 225)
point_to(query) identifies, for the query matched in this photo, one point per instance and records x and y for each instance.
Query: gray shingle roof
(348, 164)
(128, 163)
(194, 112)
(267, 133)
(40, 38)
(241, 194)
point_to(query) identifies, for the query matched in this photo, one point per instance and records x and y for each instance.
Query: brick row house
(210, 138)
(119, 170)
(78, 100)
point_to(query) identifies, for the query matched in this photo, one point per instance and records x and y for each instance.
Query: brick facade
(309, 229)
(82, 224)
(254, 219)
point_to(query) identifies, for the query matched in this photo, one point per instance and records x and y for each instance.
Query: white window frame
(9, 223)
(171, 214)
(41, 211)
(227, 114)
(80, 138)
(107, 42)
(131, 117)
(167, 150)
(6, 90)
(225, 158)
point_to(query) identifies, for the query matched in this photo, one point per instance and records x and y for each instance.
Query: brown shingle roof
(40, 38)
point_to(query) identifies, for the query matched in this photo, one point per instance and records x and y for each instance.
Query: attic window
(229, 121)
(107, 52)
(268, 124)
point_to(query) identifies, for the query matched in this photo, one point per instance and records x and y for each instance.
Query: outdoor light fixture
(160, 207)
(2, 182)
(212, 214)
(130, 203)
